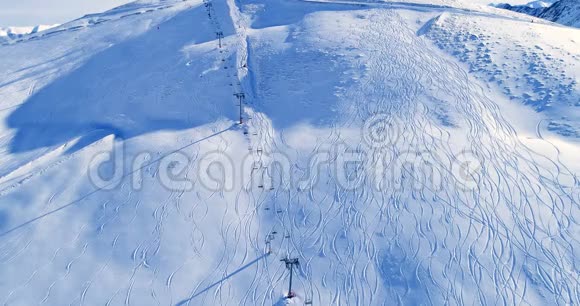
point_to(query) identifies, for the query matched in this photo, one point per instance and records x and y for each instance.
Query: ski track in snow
(503, 238)
(509, 241)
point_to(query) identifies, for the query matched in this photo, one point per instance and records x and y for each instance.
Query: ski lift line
(285, 229)
(241, 96)
(290, 263)
(220, 36)
(84, 197)
(283, 218)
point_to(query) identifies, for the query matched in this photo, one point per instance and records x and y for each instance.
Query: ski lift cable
(112, 183)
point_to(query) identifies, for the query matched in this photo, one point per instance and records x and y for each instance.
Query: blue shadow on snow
(137, 86)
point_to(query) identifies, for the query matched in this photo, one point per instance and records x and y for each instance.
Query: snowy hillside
(536, 65)
(405, 153)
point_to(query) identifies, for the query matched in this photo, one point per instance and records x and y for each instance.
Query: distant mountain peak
(566, 12)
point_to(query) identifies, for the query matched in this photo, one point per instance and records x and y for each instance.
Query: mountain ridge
(566, 12)
(183, 152)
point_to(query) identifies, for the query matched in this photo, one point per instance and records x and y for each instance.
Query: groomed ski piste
(406, 153)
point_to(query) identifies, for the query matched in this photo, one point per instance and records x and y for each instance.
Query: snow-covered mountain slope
(405, 153)
(537, 65)
(532, 10)
(540, 3)
(533, 5)
(566, 12)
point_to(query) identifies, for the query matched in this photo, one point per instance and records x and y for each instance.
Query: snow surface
(407, 153)
(537, 65)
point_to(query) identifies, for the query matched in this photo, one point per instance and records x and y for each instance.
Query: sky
(35, 12)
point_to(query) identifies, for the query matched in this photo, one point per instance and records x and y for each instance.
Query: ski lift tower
(241, 96)
(220, 36)
(290, 263)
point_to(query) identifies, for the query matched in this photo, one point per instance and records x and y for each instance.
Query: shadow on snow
(135, 87)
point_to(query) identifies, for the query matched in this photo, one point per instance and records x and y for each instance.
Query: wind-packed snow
(537, 65)
(407, 153)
